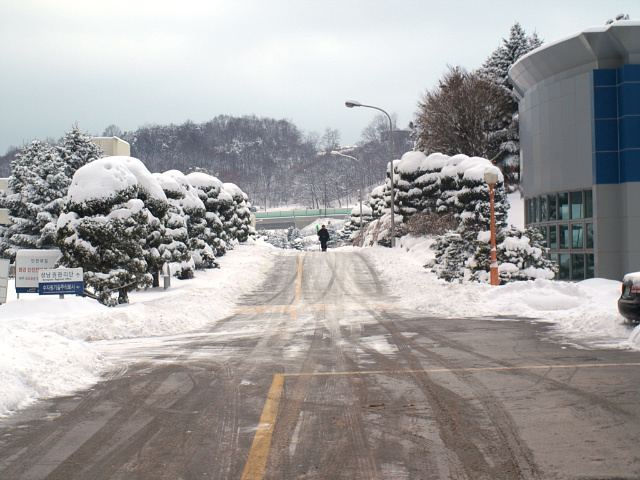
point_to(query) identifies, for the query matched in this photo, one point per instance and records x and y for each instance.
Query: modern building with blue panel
(579, 111)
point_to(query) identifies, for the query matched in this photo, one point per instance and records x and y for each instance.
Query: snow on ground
(584, 312)
(45, 342)
(46, 346)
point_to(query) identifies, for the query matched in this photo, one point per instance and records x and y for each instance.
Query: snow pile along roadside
(45, 342)
(584, 312)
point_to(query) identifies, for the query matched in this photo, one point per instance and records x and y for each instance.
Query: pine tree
(194, 212)
(208, 189)
(110, 227)
(521, 256)
(76, 150)
(235, 213)
(496, 69)
(40, 177)
(175, 252)
(37, 184)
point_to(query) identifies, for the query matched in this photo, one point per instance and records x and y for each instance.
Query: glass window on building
(588, 204)
(535, 218)
(543, 232)
(589, 235)
(576, 204)
(543, 208)
(577, 240)
(527, 211)
(553, 236)
(563, 206)
(591, 265)
(577, 266)
(564, 236)
(552, 208)
(564, 266)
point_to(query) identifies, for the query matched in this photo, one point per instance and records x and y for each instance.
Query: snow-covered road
(47, 345)
(322, 371)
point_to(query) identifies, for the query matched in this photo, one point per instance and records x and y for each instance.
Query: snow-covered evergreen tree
(407, 195)
(376, 201)
(521, 256)
(496, 69)
(40, 177)
(352, 227)
(175, 252)
(236, 214)
(106, 226)
(200, 236)
(208, 189)
(29, 191)
(76, 150)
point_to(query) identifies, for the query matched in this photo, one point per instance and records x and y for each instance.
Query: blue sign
(61, 288)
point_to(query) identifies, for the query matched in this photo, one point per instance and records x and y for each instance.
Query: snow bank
(583, 312)
(46, 344)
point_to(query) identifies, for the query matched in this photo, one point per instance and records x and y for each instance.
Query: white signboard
(29, 263)
(61, 281)
(4, 280)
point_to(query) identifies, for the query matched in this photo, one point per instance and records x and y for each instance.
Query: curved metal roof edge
(524, 73)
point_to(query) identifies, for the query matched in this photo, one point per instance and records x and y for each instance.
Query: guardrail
(303, 213)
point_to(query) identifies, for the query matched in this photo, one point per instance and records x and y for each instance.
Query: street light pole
(360, 171)
(355, 103)
(491, 179)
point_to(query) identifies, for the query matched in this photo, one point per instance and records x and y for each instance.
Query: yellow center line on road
(294, 312)
(259, 309)
(254, 468)
(257, 461)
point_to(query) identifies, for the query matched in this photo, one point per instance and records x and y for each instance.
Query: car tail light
(635, 289)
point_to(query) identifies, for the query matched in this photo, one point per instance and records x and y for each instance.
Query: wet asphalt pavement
(320, 374)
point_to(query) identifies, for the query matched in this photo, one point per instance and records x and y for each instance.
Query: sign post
(61, 281)
(4, 280)
(28, 263)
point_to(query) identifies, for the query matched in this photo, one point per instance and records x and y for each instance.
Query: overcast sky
(138, 62)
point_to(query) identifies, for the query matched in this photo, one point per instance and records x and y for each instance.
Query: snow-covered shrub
(194, 212)
(106, 226)
(452, 253)
(376, 201)
(208, 189)
(378, 232)
(237, 217)
(175, 252)
(521, 256)
(351, 228)
(289, 238)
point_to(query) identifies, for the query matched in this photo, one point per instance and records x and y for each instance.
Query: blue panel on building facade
(629, 132)
(629, 98)
(630, 166)
(606, 167)
(606, 135)
(604, 78)
(629, 73)
(605, 102)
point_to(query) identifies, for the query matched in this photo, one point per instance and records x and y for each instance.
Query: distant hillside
(271, 160)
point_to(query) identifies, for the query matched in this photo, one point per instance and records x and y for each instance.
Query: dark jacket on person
(323, 235)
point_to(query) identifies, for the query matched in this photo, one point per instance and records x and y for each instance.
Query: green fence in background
(303, 213)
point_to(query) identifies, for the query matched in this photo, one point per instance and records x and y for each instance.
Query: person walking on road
(323, 236)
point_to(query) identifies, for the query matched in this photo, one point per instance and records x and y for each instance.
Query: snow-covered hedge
(122, 224)
(454, 188)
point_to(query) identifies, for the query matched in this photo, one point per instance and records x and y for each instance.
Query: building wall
(113, 146)
(579, 105)
(555, 126)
